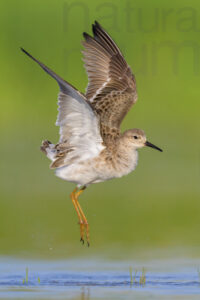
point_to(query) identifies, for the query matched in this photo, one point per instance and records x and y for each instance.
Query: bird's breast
(116, 164)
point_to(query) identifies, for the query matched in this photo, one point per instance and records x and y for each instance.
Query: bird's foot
(84, 230)
(82, 241)
(81, 231)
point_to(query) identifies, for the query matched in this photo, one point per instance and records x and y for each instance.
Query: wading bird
(91, 148)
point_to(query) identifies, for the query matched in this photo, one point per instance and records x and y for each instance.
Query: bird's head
(137, 139)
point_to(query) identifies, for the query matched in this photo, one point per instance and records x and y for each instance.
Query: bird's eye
(135, 137)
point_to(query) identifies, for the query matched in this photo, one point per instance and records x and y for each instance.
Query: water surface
(99, 279)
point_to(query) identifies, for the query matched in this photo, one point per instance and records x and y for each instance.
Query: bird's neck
(124, 155)
(126, 149)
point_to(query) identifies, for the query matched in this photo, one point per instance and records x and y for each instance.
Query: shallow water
(98, 279)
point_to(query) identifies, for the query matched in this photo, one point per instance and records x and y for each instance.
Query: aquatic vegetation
(25, 280)
(133, 278)
(143, 277)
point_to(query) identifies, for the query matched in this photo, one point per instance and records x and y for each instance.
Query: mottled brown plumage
(112, 88)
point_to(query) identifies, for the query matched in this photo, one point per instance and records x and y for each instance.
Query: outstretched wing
(79, 126)
(112, 87)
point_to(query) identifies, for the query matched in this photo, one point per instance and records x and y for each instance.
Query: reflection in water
(85, 293)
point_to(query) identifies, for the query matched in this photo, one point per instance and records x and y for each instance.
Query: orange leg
(74, 201)
(85, 222)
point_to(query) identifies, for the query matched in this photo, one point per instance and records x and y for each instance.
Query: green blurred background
(156, 209)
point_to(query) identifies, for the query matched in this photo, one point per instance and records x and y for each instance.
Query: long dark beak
(152, 146)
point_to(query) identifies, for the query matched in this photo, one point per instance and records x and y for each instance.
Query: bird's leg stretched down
(85, 222)
(82, 218)
(72, 196)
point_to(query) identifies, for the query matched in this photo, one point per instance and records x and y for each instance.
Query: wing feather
(79, 125)
(79, 128)
(112, 86)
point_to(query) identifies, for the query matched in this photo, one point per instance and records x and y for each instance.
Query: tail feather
(48, 149)
(54, 153)
(44, 146)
